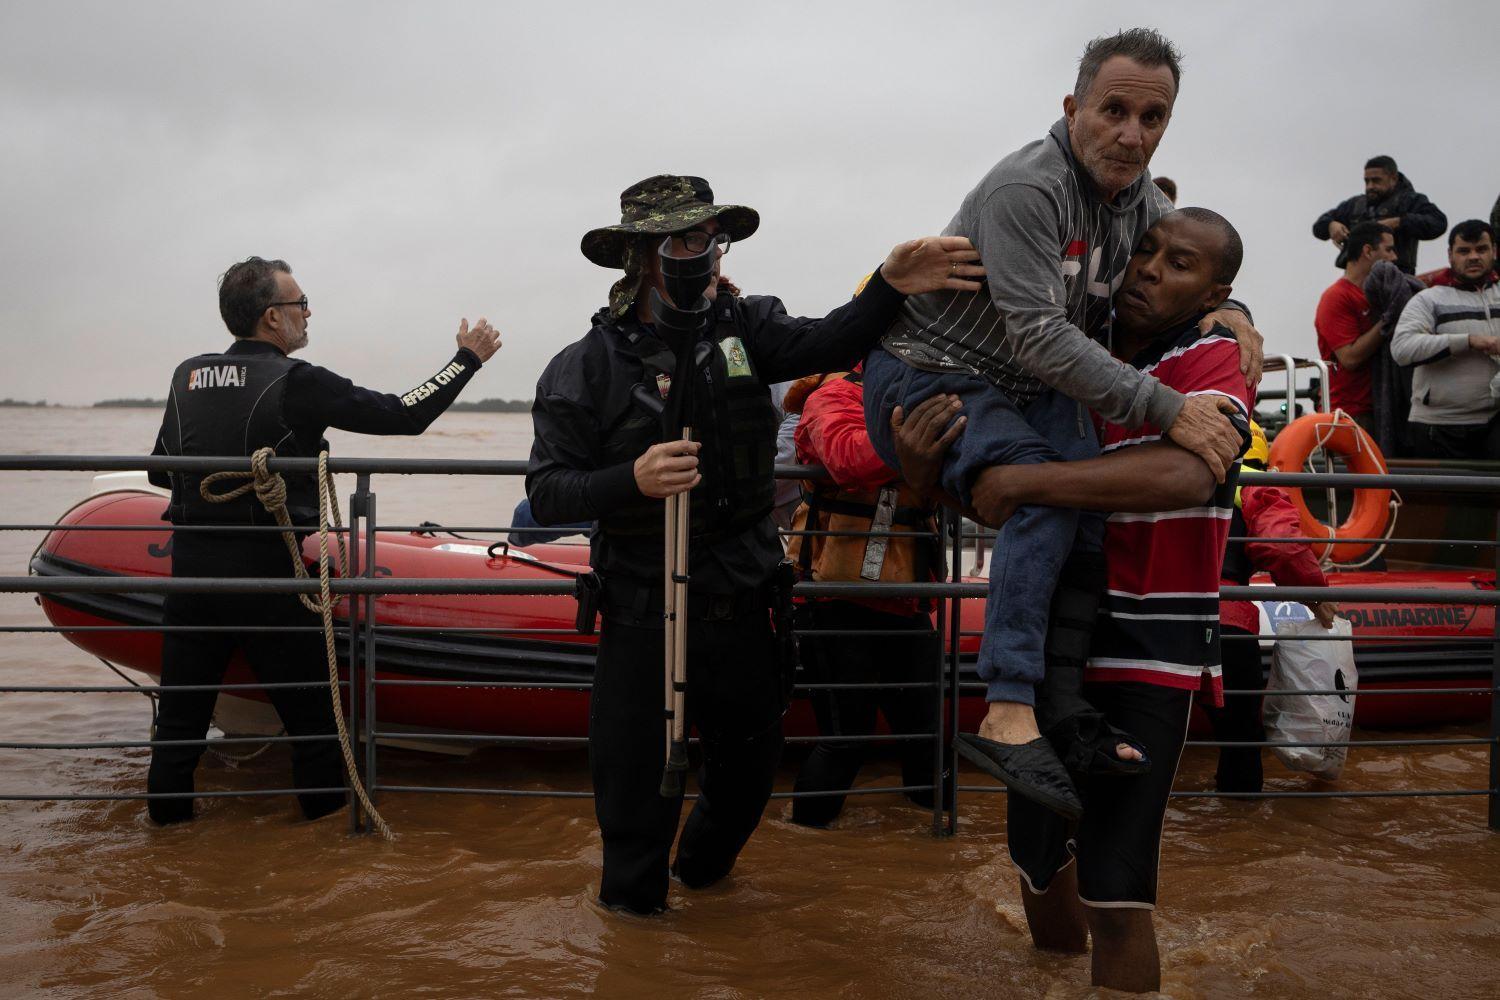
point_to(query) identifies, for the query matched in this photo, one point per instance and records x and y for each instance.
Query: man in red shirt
(1157, 640)
(1348, 338)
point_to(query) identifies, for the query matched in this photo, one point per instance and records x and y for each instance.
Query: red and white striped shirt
(1159, 620)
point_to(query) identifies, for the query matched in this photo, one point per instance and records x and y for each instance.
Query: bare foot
(1009, 722)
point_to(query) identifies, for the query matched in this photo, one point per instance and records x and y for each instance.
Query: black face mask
(685, 279)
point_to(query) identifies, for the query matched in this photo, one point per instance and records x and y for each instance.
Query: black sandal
(1032, 770)
(1088, 745)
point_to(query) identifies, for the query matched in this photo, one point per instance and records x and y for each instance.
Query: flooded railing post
(955, 634)
(1494, 797)
(371, 666)
(939, 790)
(356, 509)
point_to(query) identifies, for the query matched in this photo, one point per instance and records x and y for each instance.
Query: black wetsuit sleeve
(168, 431)
(567, 478)
(318, 398)
(789, 347)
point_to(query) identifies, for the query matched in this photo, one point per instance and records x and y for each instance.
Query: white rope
(1378, 550)
(1325, 432)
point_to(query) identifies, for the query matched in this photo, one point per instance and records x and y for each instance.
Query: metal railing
(359, 632)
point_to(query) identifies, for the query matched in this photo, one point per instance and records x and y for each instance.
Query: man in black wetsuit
(254, 395)
(598, 456)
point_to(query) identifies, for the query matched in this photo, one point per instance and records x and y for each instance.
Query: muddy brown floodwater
(494, 897)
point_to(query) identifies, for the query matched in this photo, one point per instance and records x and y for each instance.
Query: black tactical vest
(231, 404)
(734, 418)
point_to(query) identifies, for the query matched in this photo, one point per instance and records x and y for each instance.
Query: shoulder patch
(735, 359)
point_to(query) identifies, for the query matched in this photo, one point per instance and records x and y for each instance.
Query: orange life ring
(1338, 433)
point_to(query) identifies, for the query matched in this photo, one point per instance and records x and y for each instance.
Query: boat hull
(427, 638)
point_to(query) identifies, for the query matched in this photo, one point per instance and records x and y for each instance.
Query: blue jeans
(1034, 543)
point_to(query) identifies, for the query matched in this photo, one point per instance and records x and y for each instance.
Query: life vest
(733, 417)
(231, 404)
(856, 557)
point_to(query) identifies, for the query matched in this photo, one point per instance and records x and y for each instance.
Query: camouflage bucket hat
(661, 205)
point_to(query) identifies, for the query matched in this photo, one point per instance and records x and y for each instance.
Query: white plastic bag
(1312, 664)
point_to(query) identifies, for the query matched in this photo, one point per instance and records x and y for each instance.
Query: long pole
(669, 627)
(677, 539)
(677, 419)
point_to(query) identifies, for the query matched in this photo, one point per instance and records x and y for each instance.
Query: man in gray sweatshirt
(1055, 224)
(1451, 333)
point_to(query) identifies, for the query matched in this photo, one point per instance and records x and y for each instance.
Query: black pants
(833, 763)
(734, 700)
(1473, 442)
(1239, 720)
(276, 657)
(1118, 840)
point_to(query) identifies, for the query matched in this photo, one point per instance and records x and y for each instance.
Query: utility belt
(639, 603)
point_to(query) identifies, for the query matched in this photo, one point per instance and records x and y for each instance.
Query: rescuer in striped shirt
(1157, 640)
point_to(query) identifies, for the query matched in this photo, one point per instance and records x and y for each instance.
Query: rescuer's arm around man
(922, 438)
(1150, 477)
(1143, 479)
(788, 347)
(578, 398)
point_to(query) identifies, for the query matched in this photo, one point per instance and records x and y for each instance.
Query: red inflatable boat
(437, 649)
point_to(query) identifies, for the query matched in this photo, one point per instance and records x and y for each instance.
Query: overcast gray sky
(416, 164)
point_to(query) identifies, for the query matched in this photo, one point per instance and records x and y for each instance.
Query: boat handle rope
(501, 550)
(270, 489)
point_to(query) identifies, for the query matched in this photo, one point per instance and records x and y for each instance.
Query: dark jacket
(1387, 290)
(584, 413)
(1420, 220)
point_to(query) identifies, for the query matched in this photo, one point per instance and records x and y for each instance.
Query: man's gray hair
(1146, 46)
(246, 290)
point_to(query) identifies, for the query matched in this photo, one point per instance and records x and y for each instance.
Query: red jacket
(1268, 513)
(832, 433)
